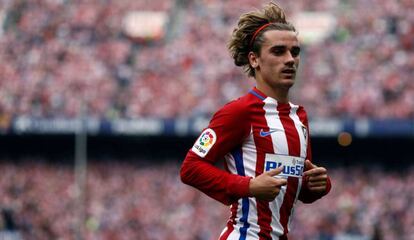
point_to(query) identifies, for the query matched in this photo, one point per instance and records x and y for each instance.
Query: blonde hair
(242, 41)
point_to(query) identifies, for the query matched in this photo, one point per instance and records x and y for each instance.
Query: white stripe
(254, 229)
(275, 208)
(273, 122)
(249, 155)
(249, 165)
(298, 124)
(280, 146)
(231, 163)
(294, 203)
(231, 166)
(303, 149)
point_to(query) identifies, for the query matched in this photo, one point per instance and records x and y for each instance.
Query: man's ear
(253, 59)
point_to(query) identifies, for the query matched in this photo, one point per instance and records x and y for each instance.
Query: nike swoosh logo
(264, 134)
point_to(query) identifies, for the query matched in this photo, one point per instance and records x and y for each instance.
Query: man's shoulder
(242, 105)
(236, 115)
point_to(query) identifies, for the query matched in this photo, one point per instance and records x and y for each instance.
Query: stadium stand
(132, 201)
(77, 50)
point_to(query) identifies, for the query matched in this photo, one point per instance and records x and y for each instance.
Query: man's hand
(317, 177)
(266, 186)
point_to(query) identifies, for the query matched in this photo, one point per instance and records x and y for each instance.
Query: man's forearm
(216, 183)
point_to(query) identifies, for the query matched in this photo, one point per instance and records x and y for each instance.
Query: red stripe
(293, 143)
(263, 145)
(292, 135)
(230, 222)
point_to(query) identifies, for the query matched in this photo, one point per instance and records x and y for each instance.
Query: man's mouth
(289, 71)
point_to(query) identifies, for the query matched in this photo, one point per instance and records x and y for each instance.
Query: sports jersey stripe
(303, 149)
(236, 223)
(233, 209)
(232, 231)
(280, 147)
(292, 136)
(238, 157)
(249, 158)
(264, 214)
(231, 163)
(249, 164)
(294, 116)
(302, 116)
(248, 204)
(274, 122)
(294, 147)
(249, 155)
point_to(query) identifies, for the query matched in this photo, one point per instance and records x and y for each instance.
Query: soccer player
(262, 137)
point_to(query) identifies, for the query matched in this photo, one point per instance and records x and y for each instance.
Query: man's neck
(280, 94)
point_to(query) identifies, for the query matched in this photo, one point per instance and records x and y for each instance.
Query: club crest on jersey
(305, 133)
(205, 142)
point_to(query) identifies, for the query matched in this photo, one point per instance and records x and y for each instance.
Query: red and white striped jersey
(252, 135)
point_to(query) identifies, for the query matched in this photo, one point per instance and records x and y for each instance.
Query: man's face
(279, 59)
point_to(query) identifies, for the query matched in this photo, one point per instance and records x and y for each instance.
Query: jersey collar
(256, 92)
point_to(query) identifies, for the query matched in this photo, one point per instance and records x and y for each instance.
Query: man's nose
(289, 59)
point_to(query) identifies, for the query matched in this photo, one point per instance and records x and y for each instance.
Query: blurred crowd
(148, 201)
(59, 55)
(365, 68)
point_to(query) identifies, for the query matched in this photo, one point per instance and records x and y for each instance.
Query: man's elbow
(187, 171)
(184, 175)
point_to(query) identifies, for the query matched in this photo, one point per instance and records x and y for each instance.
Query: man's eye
(279, 51)
(295, 51)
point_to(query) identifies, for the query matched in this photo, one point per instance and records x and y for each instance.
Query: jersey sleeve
(227, 130)
(305, 195)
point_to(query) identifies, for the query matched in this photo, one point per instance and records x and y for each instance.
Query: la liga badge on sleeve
(205, 142)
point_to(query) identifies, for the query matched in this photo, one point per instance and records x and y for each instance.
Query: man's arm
(226, 187)
(216, 183)
(226, 132)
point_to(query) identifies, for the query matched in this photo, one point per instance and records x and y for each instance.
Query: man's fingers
(317, 178)
(315, 171)
(319, 189)
(281, 182)
(309, 164)
(317, 184)
(275, 171)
